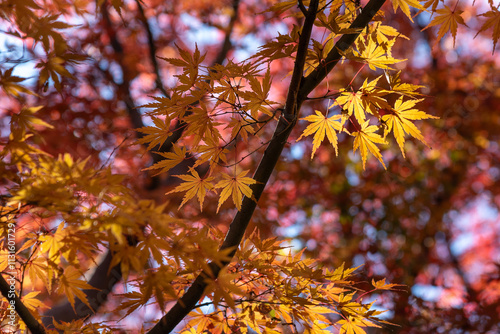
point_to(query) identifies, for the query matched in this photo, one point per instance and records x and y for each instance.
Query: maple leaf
(223, 286)
(25, 119)
(155, 135)
(381, 285)
(190, 64)
(240, 126)
(212, 152)
(405, 6)
(237, 186)
(375, 55)
(372, 97)
(171, 159)
(365, 140)
(402, 88)
(448, 20)
(350, 326)
(351, 101)
(10, 83)
(53, 243)
(493, 21)
(399, 121)
(257, 96)
(31, 302)
(321, 126)
(201, 124)
(382, 32)
(367, 98)
(71, 286)
(194, 186)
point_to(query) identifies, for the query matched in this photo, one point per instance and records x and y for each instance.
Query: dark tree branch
(34, 326)
(124, 87)
(320, 73)
(303, 9)
(262, 174)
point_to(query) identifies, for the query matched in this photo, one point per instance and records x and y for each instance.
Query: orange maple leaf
(71, 286)
(381, 285)
(405, 6)
(448, 20)
(321, 126)
(365, 140)
(492, 21)
(194, 186)
(399, 121)
(155, 135)
(171, 159)
(237, 186)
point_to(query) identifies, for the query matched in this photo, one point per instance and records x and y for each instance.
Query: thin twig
(152, 49)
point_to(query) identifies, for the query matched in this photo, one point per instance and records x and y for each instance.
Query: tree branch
(124, 87)
(297, 93)
(102, 281)
(33, 325)
(226, 47)
(152, 49)
(262, 174)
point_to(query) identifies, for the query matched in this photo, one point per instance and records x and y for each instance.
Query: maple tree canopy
(241, 166)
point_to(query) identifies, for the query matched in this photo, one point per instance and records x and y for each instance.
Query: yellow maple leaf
(31, 302)
(240, 127)
(321, 126)
(376, 55)
(405, 6)
(381, 33)
(381, 285)
(171, 159)
(155, 135)
(10, 83)
(212, 152)
(237, 186)
(367, 99)
(448, 20)
(351, 101)
(399, 121)
(71, 286)
(351, 326)
(223, 286)
(53, 243)
(399, 87)
(493, 21)
(365, 140)
(194, 186)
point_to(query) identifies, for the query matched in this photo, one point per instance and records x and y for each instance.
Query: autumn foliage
(249, 166)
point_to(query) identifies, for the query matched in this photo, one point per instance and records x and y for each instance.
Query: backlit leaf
(321, 126)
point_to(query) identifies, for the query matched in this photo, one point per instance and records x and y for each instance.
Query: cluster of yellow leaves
(356, 106)
(67, 210)
(270, 290)
(205, 102)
